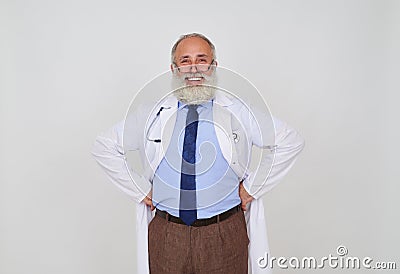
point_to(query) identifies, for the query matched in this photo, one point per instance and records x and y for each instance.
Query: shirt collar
(206, 105)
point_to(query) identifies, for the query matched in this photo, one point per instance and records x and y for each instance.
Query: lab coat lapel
(222, 117)
(223, 128)
(167, 123)
(155, 151)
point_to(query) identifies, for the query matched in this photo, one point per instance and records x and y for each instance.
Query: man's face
(193, 57)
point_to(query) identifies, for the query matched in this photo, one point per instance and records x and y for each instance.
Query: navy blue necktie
(187, 206)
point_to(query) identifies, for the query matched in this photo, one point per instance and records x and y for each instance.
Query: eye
(202, 61)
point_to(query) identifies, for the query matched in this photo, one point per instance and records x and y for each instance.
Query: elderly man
(195, 229)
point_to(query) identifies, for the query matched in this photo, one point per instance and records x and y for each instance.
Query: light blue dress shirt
(216, 183)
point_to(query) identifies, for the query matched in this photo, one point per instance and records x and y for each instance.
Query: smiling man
(199, 193)
(193, 65)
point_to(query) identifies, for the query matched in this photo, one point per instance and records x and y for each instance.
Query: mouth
(194, 80)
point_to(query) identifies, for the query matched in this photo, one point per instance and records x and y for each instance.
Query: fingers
(243, 206)
(244, 197)
(148, 201)
(245, 201)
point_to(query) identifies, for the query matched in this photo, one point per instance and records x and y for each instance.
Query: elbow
(302, 142)
(97, 148)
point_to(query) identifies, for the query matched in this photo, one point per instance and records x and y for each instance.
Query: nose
(193, 68)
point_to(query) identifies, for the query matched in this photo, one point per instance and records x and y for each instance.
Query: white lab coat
(231, 116)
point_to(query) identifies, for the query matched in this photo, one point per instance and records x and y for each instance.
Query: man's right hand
(148, 200)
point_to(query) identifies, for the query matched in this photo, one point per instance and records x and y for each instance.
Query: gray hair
(190, 35)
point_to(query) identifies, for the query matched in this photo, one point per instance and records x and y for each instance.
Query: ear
(172, 68)
(216, 63)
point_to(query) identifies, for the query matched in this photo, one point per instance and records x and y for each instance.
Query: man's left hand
(245, 197)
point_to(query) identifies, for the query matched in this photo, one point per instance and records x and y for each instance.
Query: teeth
(194, 79)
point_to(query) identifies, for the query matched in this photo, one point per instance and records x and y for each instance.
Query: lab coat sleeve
(276, 160)
(109, 153)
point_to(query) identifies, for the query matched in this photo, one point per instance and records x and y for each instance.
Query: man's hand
(148, 201)
(244, 196)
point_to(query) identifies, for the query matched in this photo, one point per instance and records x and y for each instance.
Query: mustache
(188, 75)
(196, 74)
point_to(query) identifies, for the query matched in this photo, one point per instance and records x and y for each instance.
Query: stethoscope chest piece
(235, 137)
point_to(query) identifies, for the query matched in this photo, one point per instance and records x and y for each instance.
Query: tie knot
(192, 114)
(193, 107)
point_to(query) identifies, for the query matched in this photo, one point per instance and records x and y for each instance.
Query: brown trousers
(180, 249)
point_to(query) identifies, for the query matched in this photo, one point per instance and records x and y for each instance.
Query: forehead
(193, 46)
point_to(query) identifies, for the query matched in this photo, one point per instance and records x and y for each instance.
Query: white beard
(194, 95)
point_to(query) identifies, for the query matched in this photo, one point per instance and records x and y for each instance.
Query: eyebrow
(197, 56)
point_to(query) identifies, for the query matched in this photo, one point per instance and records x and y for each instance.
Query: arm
(288, 144)
(109, 153)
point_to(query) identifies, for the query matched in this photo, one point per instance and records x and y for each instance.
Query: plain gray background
(69, 70)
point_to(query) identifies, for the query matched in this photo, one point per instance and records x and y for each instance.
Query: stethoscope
(235, 135)
(152, 123)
